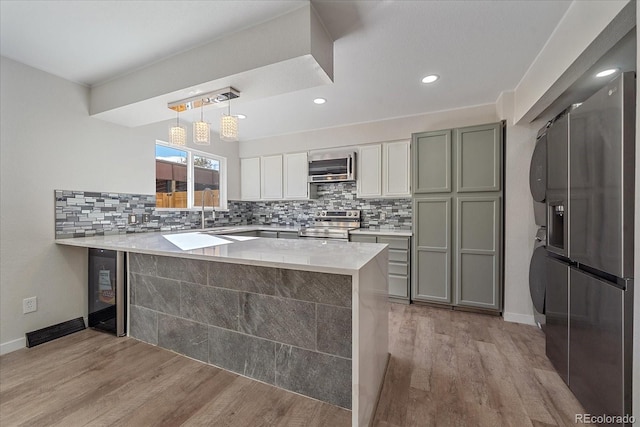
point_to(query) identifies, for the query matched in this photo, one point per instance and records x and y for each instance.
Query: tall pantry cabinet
(458, 216)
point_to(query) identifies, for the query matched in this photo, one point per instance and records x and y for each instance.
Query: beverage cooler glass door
(107, 295)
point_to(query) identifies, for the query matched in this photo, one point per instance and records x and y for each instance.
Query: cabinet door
(432, 162)
(250, 178)
(271, 177)
(295, 176)
(479, 158)
(477, 255)
(396, 169)
(369, 173)
(431, 276)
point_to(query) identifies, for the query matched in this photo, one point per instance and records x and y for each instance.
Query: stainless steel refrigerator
(590, 214)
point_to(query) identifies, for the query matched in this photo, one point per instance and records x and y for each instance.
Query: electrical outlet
(146, 218)
(29, 305)
(383, 216)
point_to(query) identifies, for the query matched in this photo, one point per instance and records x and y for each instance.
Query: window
(184, 176)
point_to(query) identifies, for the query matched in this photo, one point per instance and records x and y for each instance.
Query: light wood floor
(450, 368)
(446, 368)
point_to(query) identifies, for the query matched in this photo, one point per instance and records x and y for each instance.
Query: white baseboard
(8, 347)
(527, 319)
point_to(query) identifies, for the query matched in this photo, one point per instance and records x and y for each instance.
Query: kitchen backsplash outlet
(383, 213)
(84, 213)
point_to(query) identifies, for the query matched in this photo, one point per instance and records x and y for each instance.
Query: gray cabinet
(271, 234)
(399, 262)
(457, 217)
(432, 249)
(288, 235)
(432, 162)
(252, 233)
(477, 257)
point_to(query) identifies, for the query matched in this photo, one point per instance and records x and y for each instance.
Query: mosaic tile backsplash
(381, 213)
(84, 213)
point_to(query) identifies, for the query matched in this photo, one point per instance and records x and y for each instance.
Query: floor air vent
(53, 332)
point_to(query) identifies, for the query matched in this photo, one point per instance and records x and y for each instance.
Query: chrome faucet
(213, 213)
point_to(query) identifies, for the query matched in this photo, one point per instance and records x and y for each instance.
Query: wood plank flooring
(446, 368)
(451, 368)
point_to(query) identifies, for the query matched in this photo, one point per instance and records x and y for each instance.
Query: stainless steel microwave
(332, 167)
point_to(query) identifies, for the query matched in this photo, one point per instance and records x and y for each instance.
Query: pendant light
(178, 133)
(228, 126)
(201, 130)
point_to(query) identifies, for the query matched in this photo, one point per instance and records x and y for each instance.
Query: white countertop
(328, 256)
(383, 231)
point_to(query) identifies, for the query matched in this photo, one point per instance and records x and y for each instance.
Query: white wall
(581, 24)
(48, 141)
(520, 227)
(364, 133)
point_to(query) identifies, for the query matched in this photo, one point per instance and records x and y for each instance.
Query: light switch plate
(132, 219)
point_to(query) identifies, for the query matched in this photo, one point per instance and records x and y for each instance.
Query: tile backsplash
(84, 213)
(382, 213)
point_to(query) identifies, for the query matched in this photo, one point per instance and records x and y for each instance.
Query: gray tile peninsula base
(288, 328)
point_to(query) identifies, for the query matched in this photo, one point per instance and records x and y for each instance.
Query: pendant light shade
(177, 133)
(228, 128)
(201, 131)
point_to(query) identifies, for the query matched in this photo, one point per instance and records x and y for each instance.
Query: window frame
(222, 176)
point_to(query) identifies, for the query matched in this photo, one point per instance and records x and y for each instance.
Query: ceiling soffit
(289, 53)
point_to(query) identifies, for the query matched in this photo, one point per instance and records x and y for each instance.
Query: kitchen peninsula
(309, 316)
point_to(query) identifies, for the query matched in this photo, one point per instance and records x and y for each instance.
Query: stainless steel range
(332, 225)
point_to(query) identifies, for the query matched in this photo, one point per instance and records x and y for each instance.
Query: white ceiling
(382, 49)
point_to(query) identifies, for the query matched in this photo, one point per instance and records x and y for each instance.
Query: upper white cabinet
(295, 176)
(395, 169)
(271, 177)
(384, 170)
(369, 174)
(250, 178)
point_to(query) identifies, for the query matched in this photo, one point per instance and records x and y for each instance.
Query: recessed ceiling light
(241, 116)
(606, 73)
(319, 101)
(430, 78)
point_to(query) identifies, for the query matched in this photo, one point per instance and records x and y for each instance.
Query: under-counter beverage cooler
(107, 291)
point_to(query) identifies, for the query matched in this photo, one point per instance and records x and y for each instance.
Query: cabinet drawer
(400, 269)
(271, 234)
(398, 255)
(398, 286)
(287, 235)
(395, 242)
(362, 238)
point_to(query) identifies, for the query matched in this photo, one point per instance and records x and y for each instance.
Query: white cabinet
(384, 170)
(295, 176)
(369, 172)
(250, 178)
(271, 177)
(395, 169)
